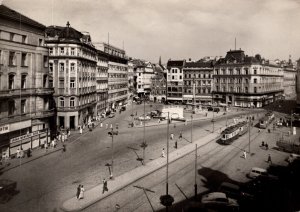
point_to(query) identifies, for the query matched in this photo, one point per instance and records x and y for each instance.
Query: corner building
(73, 63)
(244, 81)
(26, 104)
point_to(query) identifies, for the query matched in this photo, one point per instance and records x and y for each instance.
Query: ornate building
(159, 84)
(73, 65)
(26, 105)
(144, 73)
(102, 82)
(244, 81)
(198, 82)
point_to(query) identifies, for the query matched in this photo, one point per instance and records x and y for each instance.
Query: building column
(67, 121)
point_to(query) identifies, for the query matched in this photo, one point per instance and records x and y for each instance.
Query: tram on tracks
(266, 120)
(233, 132)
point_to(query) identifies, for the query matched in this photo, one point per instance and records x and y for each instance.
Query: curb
(138, 175)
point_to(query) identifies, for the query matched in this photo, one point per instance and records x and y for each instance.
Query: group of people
(80, 189)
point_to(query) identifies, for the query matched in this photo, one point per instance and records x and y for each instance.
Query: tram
(233, 132)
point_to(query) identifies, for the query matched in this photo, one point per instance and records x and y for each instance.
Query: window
(72, 83)
(11, 80)
(255, 80)
(246, 89)
(72, 51)
(51, 51)
(1, 57)
(12, 59)
(180, 77)
(255, 89)
(61, 102)
(246, 71)
(11, 107)
(45, 79)
(12, 35)
(61, 83)
(72, 102)
(50, 83)
(51, 67)
(23, 81)
(231, 89)
(24, 39)
(24, 59)
(61, 67)
(238, 71)
(239, 89)
(40, 42)
(72, 66)
(246, 81)
(23, 106)
(230, 71)
(62, 50)
(255, 71)
(45, 61)
(224, 89)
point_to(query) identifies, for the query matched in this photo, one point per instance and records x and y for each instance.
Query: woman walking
(81, 194)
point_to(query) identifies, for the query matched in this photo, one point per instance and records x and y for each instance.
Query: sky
(178, 29)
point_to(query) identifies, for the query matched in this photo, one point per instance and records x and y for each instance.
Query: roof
(8, 13)
(215, 195)
(63, 32)
(175, 63)
(198, 64)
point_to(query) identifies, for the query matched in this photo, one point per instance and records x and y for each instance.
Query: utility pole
(192, 129)
(111, 166)
(195, 185)
(249, 129)
(213, 121)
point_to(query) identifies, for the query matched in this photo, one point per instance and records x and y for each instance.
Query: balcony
(76, 108)
(26, 92)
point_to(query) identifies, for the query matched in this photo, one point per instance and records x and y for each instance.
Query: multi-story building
(117, 75)
(175, 80)
(73, 64)
(289, 79)
(26, 106)
(102, 82)
(244, 81)
(159, 84)
(144, 73)
(131, 73)
(198, 82)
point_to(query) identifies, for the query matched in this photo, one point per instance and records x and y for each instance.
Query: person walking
(81, 194)
(172, 136)
(80, 130)
(101, 124)
(18, 153)
(269, 159)
(180, 135)
(105, 188)
(68, 132)
(175, 146)
(163, 153)
(106, 126)
(245, 154)
(78, 191)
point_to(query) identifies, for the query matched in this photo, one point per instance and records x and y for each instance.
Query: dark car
(123, 108)
(7, 189)
(216, 109)
(210, 109)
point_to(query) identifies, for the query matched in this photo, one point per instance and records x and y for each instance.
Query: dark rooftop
(175, 63)
(8, 13)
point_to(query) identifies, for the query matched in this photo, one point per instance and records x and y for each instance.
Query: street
(45, 183)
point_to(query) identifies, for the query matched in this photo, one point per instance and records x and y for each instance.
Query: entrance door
(72, 122)
(62, 121)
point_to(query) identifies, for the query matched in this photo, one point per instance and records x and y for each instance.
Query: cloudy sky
(178, 29)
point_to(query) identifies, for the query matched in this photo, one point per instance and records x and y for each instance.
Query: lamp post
(191, 128)
(213, 121)
(167, 200)
(111, 166)
(195, 185)
(144, 144)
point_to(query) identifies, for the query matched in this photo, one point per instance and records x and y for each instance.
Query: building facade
(102, 83)
(73, 65)
(131, 88)
(244, 81)
(159, 84)
(117, 75)
(144, 73)
(289, 80)
(198, 82)
(26, 105)
(175, 80)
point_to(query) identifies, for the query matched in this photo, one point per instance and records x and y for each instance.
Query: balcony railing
(26, 91)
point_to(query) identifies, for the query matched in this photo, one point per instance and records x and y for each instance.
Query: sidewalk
(95, 194)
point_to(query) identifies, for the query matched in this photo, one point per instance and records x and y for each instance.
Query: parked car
(219, 201)
(123, 108)
(236, 191)
(255, 172)
(292, 157)
(144, 118)
(111, 115)
(210, 108)
(7, 189)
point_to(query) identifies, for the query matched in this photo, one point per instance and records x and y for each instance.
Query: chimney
(68, 28)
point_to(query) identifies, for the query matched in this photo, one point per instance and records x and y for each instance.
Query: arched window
(72, 102)
(61, 102)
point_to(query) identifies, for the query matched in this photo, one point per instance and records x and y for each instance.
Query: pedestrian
(29, 152)
(180, 135)
(18, 153)
(106, 126)
(46, 146)
(163, 153)
(267, 146)
(69, 132)
(175, 144)
(135, 113)
(80, 130)
(105, 188)
(245, 154)
(172, 136)
(269, 159)
(111, 126)
(81, 194)
(64, 148)
(158, 120)
(185, 123)
(21, 153)
(101, 124)
(262, 143)
(54, 143)
(174, 125)
(78, 191)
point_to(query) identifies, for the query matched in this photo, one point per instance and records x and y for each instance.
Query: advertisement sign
(4, 129)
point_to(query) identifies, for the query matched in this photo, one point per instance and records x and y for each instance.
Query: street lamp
(111, 166)
(144, 144)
